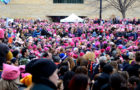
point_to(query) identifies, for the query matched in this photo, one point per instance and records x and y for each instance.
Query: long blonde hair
(89, 56)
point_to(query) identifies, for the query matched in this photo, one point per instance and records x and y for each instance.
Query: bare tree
(122, 5)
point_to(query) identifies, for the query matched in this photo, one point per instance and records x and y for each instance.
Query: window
(68, 1)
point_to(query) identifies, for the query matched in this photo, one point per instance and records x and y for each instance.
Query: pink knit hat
(83, 35)
(66, 44)
(41, 37)
(105, 42)
(66, 30)
(49, 45)
(97, 53)
(1, 33)
(10, 72)
(81, 54)
(107, 37)
(72, 44)
(120, 46)
(30, 47)
(108, 48)
(50, 38)
(75, 56)
(34, 47)
(46, 49)
(102, 50)
(97, 43)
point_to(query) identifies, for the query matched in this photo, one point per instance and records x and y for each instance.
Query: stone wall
(42, 8)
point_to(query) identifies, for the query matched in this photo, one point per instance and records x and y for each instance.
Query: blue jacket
(35, 34)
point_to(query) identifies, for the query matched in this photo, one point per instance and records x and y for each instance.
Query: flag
(5, 1)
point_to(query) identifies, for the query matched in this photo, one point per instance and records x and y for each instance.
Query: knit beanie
(63, 56)
(10, 72)
(41, 68)
(9, 55)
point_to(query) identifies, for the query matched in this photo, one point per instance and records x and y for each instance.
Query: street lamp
(100, 10)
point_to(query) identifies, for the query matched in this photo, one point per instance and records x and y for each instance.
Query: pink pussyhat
(46, 49)
(14, 31)
(67, 30)
(108, 48)
(120, 46)
(41, 37)
(90, 29)
(81, 54)
(97, 43)
(71, 54)
(37, 54)
(105, 42)
(10, 72)
(1, 33)
(50, 38)
(49, 45)
(75, 56)
(34, 47)
(97, 53)
(130, 28)
(83, 35)
(30, 47)
(32, 51)
(126, 40)
(66, 44)
(72, 44)
(77, 44)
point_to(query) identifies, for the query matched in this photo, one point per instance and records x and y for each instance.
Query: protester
(66, 80)
(5, 53)
(103, 78)
(44, 74)
(10, 78)
(102, 52)
(24, 59)
(133, 82)
(79, 82)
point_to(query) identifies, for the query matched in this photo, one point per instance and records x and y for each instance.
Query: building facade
(45, 9)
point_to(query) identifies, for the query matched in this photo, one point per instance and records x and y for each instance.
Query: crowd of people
(94, 55)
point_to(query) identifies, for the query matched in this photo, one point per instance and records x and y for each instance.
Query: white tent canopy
(72, 18)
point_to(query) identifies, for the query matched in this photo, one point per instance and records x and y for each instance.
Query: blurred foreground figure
(5, 54)
(44, 74)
